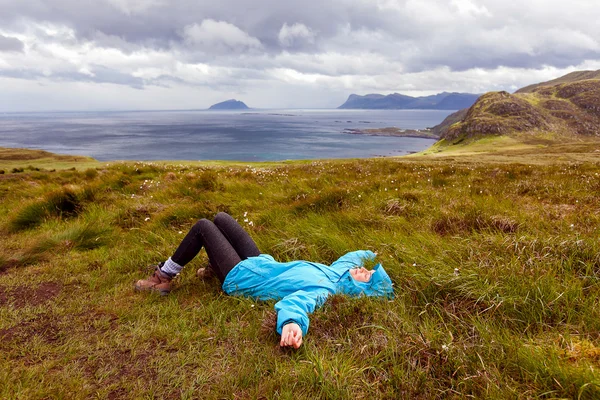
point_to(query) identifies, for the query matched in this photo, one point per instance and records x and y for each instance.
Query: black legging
(225, 241)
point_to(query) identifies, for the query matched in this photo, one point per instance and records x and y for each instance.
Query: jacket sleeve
(296, 306)
(354, 259)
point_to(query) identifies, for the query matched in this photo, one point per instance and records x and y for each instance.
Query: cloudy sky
(182, 54)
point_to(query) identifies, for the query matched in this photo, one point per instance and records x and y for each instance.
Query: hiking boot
(205, 273)
(158, 282)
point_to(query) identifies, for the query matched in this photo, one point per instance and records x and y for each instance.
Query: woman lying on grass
(300, 286)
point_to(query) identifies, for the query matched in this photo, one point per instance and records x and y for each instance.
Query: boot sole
(162, 292)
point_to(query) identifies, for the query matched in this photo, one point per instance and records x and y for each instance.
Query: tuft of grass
(90, 173)
(84, 236)
(473, 221)
(332, 200)
(28, 216)
(62, 203)
(80, 236)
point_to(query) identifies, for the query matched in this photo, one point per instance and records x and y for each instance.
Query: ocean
(249, 135)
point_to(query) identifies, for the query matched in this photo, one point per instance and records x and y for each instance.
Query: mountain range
(397, 101)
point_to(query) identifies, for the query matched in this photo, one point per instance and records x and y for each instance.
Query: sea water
(249, 135)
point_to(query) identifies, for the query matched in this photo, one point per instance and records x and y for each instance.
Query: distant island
(397, 101)
(230, 105)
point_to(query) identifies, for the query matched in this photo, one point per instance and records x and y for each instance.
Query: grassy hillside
(20, 160)
(496, 269)
(565, 109)
(575, 76)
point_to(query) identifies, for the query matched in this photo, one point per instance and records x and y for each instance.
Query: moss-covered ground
(495, 260)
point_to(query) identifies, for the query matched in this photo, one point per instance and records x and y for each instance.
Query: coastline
(393, 132)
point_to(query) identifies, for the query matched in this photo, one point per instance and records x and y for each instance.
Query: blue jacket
(301, 286)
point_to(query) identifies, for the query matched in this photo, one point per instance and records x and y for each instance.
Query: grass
(20, 160)
(537, 149)
(494, 255)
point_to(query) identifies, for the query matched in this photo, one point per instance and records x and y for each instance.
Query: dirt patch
(96, 322)
(22, 296)
(43, 326)
(118, 365)
(117, 394)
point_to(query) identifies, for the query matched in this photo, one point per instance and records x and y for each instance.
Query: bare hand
(291, 335)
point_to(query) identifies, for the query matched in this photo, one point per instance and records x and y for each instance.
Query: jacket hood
(380, 284)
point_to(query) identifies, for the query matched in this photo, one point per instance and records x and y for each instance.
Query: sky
(75, 55)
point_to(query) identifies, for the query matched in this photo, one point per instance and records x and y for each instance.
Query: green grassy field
(495, 256)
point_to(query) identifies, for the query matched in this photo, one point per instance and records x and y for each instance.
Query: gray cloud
(345, 46)
(427, 26)
(10, 44)
(99, 75)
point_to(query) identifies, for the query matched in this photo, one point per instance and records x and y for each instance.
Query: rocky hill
(229, 105)
(397, 101)
(569, 105)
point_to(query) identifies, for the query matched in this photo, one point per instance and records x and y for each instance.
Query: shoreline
(393, 132)
(23, 160)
